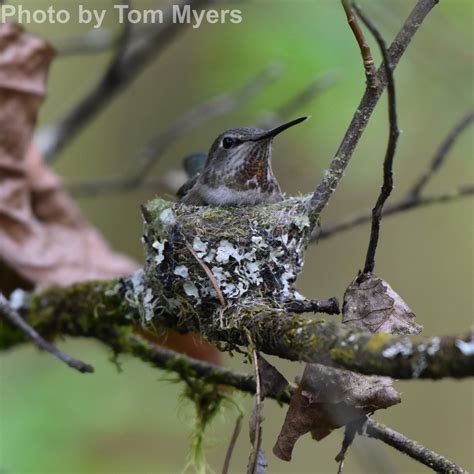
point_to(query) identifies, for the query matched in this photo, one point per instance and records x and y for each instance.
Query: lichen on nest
(202, 259)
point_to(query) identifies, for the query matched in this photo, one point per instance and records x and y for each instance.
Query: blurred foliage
(55, 421)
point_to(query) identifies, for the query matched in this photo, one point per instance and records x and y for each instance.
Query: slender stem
(14, 318)
(404, 204)
(394, 133)
(364, 111)
(368, 61)
(441, 154)
(411, 448)
(233, 441)
(330, 306)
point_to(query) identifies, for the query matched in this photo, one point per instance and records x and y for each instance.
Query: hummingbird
(237, 171)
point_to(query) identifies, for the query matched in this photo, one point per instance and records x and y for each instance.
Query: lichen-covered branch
(364, 111)
(95, 309)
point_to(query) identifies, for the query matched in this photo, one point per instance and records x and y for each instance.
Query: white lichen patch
(302, 222)
(200, 247)
(181, 271)
(167, 217)
(191, 290)
(433, 346)
(141, 297)
(225, 251)
(402, 348)
(159, 246)
(466, 347)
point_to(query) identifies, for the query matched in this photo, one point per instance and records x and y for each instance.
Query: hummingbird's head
(242, 155)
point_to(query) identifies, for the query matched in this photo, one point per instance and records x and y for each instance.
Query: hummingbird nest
(204, 261)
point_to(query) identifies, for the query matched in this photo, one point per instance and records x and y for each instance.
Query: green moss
(378, 341)
(343, 355)
(156, 206)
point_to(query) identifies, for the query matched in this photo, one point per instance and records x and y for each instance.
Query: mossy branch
(99, 310)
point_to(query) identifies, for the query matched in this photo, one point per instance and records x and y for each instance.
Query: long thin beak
(276, 131)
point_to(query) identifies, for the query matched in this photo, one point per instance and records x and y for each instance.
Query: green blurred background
(55, 421)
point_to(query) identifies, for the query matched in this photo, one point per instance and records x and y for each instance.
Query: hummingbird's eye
(228, 142)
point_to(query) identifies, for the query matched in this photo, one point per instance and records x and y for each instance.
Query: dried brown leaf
(43, 235)
(328, 398)
(371, 304)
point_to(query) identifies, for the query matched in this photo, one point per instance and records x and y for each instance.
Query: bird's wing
(186, 187)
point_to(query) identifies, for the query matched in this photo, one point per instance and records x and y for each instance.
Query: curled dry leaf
(44, 238)
(43, 235)
(371, 304)
(328, 398)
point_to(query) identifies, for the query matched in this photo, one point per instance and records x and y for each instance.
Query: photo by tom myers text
(182, 14)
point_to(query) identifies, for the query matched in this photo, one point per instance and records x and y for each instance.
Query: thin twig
(402, 205)
(14, 317)
(256, 419)
(364, 111)
(233, 441)
(368, 61)
(441, 154)
(125, 68)
(394, 133)
(209, 274)
(200, 114)
(330, 306)
(405, 445)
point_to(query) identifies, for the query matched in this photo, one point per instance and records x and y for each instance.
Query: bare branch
(365, 109)
(369, 66)
(7, 312)
(441, 153)
(394, 133)
(150, 155)
(124, 69)
(400, 206)
(411, 448)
